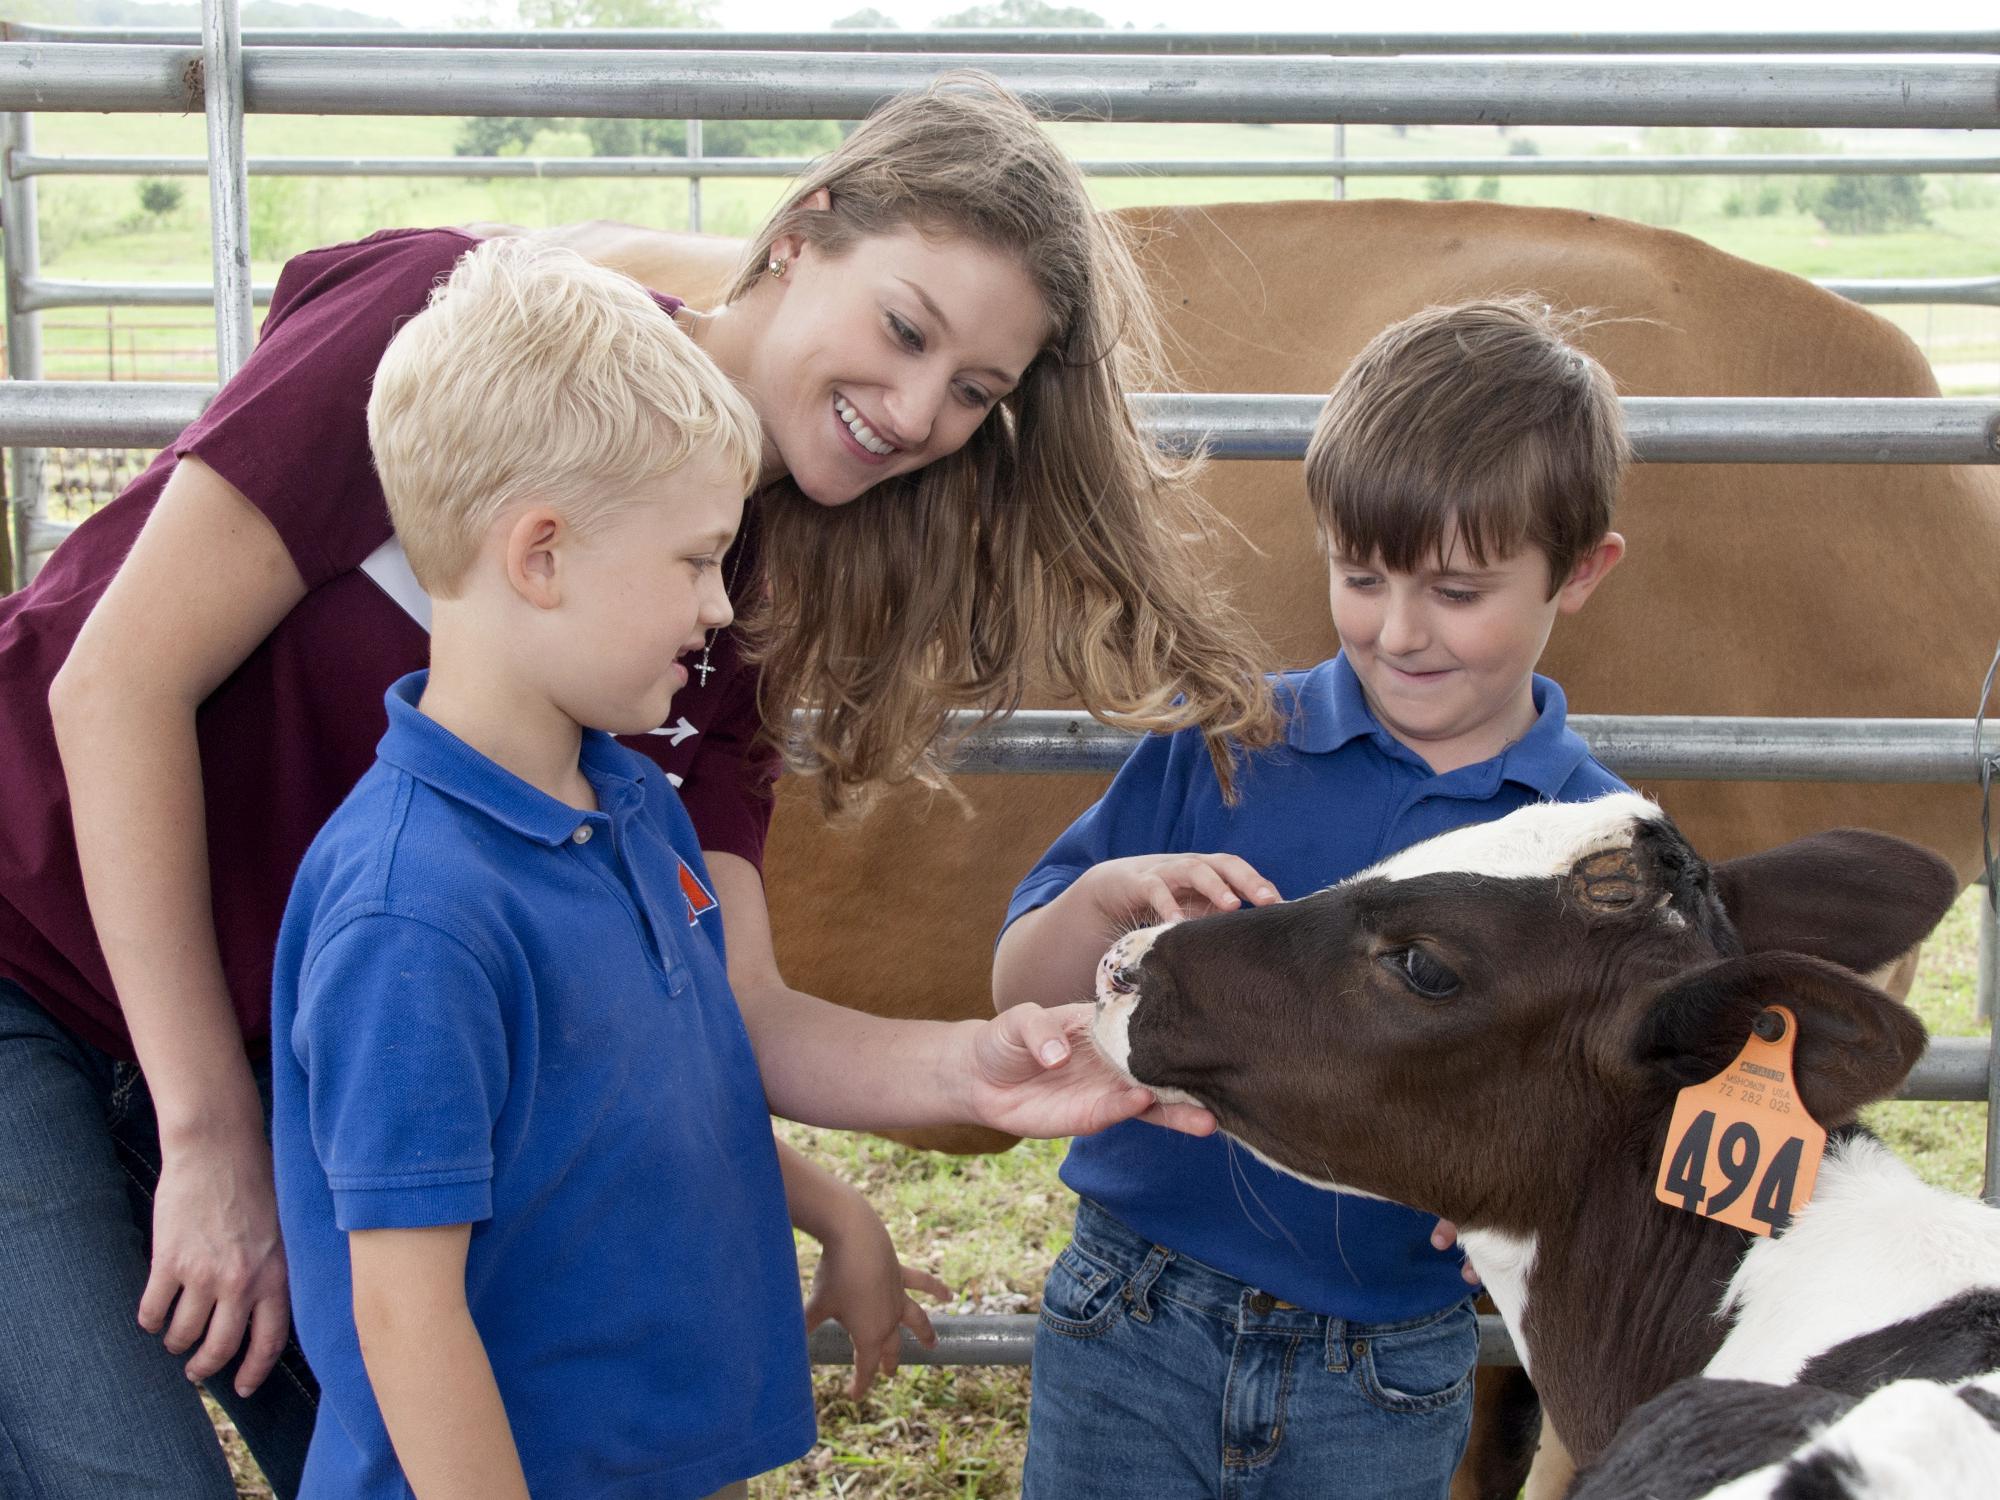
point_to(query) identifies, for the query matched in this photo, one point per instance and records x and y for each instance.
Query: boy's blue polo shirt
(1340, 794)
(493, 1008)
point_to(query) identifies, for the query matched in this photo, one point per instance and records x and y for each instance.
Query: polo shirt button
(582, 834)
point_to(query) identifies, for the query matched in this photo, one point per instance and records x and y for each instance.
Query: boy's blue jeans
(1160, 1378)
(91, 1405)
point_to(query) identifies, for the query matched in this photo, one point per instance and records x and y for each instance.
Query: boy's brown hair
(1481, 421)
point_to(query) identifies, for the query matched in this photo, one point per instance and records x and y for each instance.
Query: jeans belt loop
(1336, 1344)
(1142, 1282)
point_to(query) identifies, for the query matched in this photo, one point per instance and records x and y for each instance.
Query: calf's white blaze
(1111, 1026)
(1875, 1246)
(1544, 839)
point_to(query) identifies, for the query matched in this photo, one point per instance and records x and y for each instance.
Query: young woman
(936, 332)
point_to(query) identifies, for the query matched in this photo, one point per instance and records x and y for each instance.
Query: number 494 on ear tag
(1742, 1148)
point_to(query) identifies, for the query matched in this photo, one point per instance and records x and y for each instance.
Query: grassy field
(95, 229)
(989, 1226)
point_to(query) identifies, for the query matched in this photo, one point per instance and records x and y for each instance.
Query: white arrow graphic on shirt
(679, 730)
(390, 569)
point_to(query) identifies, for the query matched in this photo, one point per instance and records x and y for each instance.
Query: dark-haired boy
(1216, 1327)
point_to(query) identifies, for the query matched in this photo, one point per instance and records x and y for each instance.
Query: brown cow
(1495, 1025)
(1750, 589)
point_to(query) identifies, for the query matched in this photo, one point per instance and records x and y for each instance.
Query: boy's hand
(1033, 1071)
(862, 1286)
(1443, 1236)
(1173, 886)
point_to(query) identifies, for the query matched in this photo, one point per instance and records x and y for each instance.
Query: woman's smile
(868, 443)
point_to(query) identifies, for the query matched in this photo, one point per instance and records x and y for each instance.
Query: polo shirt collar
(1329, 710)
(426, 750)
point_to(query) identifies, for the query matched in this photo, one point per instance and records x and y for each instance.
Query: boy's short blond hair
(1482, 422)
(534, 374)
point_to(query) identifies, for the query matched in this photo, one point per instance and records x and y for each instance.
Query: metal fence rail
(1663, 429)
(37, 414)
(1001, 40)
(1661, 747)
(1238, 166)
(847, 85)
(35, 293)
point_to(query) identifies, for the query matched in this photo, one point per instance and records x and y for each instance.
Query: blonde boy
(531, 1203)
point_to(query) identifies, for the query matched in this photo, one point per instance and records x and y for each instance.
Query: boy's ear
(1589, 572)
(535, 540)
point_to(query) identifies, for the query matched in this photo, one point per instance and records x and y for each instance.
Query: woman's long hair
(1058, 543)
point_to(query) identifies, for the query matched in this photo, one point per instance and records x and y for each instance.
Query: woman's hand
(1034, 1071)
(218, 1261)
(863, 1287)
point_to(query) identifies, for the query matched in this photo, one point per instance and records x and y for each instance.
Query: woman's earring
(777, 266)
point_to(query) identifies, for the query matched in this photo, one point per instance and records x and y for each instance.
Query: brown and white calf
(1494, 1026)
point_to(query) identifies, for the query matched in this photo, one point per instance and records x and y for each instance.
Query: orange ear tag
(1742, 1148)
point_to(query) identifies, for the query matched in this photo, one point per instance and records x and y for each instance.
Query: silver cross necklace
(705, 666)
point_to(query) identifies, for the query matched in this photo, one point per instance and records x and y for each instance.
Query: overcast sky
(1332, 15)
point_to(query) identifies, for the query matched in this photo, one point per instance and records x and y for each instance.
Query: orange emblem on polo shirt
(699, 897)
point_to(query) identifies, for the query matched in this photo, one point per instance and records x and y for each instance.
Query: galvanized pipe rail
(1009, 1339)
(228, 186)
(1664, 429)
(36, 293)
(21, 246)
(847, 85)
(1005, 40)
(1653, 747)
(553, 167)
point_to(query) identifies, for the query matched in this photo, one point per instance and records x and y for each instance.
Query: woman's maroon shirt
(292, 729)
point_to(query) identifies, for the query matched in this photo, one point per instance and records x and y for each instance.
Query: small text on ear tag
(1741, 1148)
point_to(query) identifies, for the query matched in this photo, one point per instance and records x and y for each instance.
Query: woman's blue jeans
(92, 1407)
(1160, 1378)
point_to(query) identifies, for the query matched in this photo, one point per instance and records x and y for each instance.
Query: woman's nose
(913, 410)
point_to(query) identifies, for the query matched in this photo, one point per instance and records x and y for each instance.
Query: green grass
(1945, 1142)
(305, 211)
(94, 229)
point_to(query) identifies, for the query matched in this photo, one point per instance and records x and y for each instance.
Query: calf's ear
(1855, 1044)
(1851, 896)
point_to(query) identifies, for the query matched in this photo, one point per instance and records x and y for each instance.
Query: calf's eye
(1421, 971)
